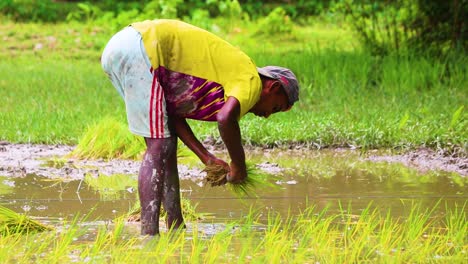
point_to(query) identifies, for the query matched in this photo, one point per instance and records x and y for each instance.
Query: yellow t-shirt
(177, 47)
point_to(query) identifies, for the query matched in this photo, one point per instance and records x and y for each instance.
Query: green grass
(348, 98)
(309, 237)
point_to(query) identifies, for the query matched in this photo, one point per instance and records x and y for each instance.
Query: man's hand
(230, 133)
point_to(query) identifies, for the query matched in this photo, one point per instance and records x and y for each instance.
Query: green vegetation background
(352, 94)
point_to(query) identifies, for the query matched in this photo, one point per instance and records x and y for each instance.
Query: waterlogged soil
(54, 161)
(427, 160)
(44, 181)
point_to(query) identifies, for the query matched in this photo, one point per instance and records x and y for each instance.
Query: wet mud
(425, 160)
(53, 161)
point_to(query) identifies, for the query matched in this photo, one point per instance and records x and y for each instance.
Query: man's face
(272, 100)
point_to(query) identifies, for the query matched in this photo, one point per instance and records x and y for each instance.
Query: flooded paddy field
(53, 188)
(52, 185)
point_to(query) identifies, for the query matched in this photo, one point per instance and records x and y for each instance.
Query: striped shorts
(126, 63)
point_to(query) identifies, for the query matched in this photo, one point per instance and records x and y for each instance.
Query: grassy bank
(52, 88)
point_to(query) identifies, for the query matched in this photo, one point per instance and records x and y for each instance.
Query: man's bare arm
(230, 133)
(185, 133)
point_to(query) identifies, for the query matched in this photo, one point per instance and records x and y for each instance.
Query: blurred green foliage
(428, 26)
(53, 11)
(35, 10)
(434, 26)
(277, 22)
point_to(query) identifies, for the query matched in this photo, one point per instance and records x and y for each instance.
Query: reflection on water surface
(321, 178)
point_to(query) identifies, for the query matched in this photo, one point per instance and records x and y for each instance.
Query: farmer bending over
(168, 71)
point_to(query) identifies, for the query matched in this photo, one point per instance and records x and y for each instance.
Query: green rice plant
(419, 220)
(455, 228)
(389, 235)
(197, 246)
(311, 236)
(216, 175)
(362, 230)
(165, 248)
(218, 247)
(108, 238)
(14, 223)
(278, 242)
(310, 232)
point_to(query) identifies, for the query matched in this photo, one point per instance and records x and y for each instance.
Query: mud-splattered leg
(171, 192)
(153, 172)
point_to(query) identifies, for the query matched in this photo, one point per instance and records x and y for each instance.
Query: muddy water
(330, 179)
(338, 179)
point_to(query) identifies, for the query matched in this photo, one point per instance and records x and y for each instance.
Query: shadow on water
(332, 179)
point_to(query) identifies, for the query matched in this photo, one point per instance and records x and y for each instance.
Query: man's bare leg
(159, 164)
(171, 192)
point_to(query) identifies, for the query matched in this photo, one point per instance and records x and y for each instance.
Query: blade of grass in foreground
(314, 235)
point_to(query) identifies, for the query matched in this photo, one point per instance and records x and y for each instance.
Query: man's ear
(276, 87)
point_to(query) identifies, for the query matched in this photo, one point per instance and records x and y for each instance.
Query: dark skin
(158, 180)
(273, 99)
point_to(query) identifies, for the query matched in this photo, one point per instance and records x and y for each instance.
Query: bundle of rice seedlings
(188, 211)
(111, 139)
(108, 139)
(216, 175)
(14, 223)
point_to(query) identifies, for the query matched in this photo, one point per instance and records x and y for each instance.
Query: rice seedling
(311, 236)
(15, 223)
(216, 175)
